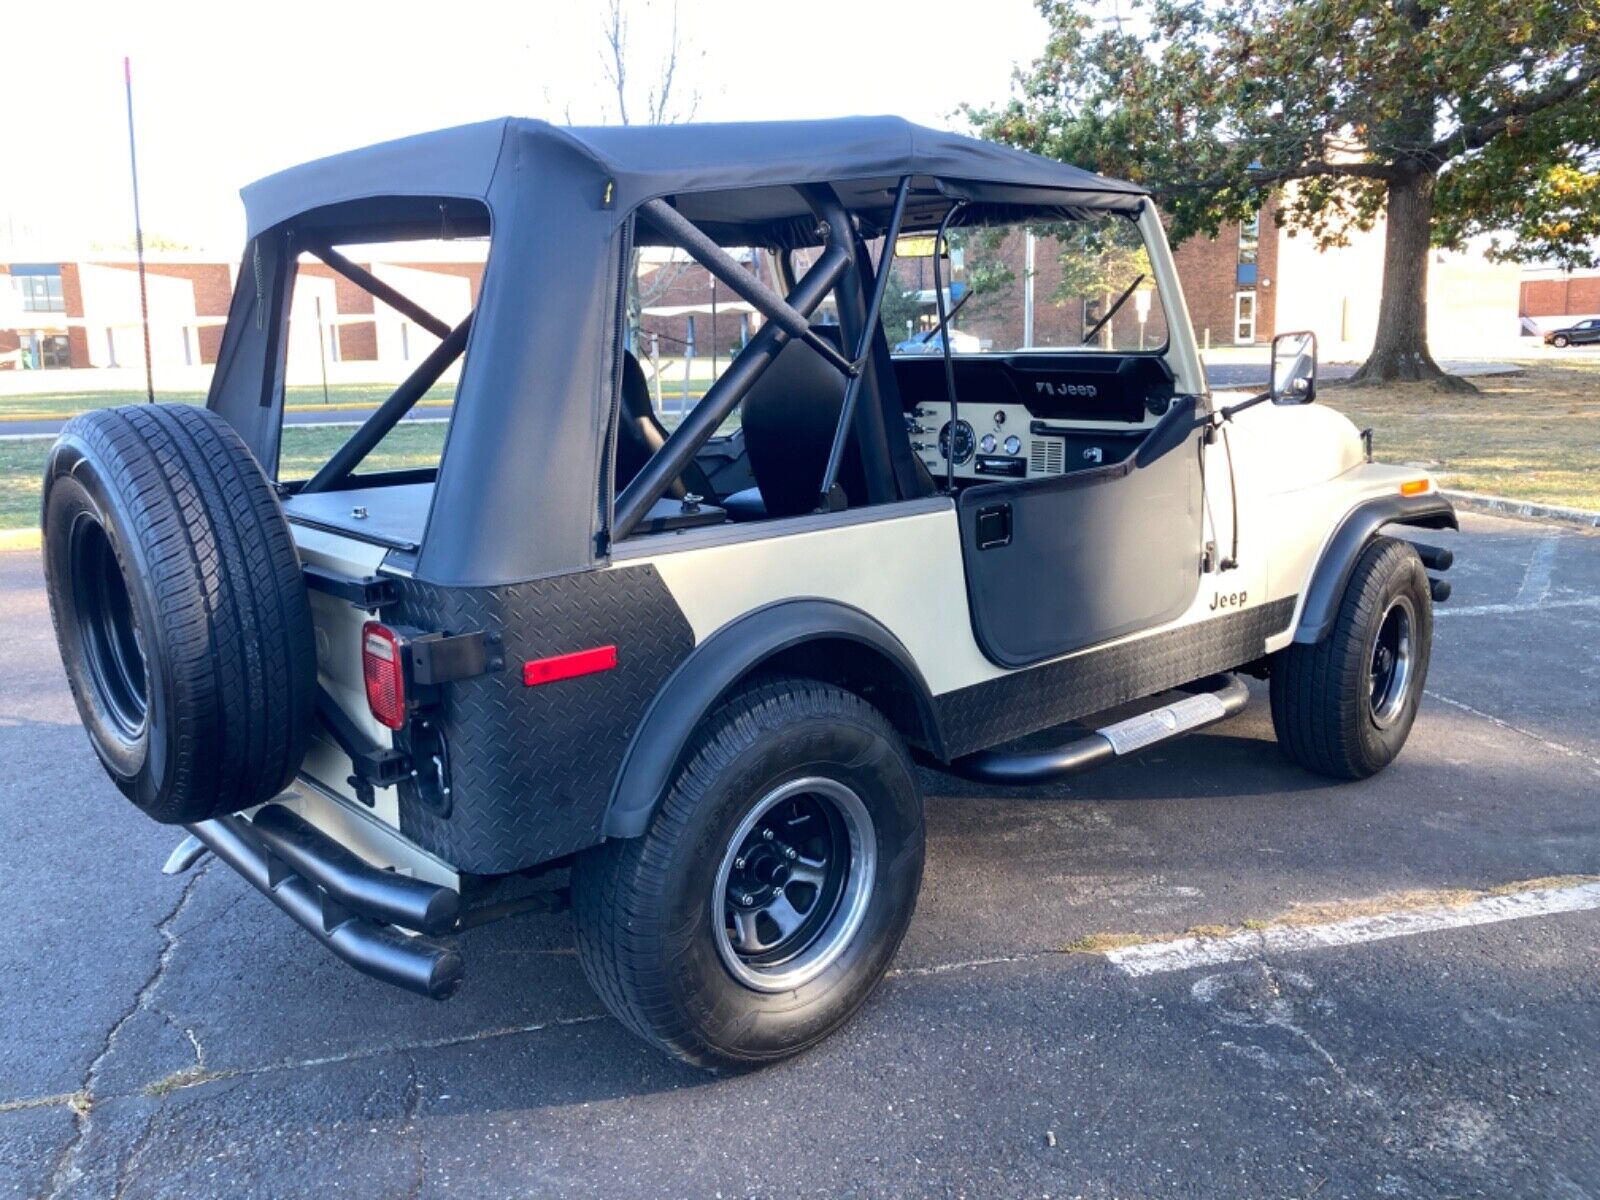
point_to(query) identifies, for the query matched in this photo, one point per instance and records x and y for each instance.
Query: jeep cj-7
(690, 646)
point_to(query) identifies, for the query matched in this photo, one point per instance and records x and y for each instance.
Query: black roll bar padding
(747, 286)
(944, 346)
(852, 389)
(724, 394)
(415, 385)
(367, 281)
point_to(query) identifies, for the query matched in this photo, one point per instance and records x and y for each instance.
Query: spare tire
(179, 609)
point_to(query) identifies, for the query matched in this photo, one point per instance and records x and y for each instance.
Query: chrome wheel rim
(793, 885)
(1393, 661)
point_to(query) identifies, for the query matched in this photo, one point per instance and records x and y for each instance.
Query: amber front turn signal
(1414, 487)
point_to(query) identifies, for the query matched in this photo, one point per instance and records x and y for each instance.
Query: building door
(1244, 318)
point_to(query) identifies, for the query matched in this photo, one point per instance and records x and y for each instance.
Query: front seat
(640, 434)
(789, 418)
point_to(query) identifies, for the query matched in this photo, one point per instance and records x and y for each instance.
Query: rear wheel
(770, 892)
(1344, 706)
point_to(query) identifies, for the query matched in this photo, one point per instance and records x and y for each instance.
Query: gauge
(963, 439)
(987, 443)
(1013, 444)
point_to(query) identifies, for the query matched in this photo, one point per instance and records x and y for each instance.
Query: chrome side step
(1215, 699)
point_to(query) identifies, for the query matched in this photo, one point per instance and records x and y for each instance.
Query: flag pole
(138, 237)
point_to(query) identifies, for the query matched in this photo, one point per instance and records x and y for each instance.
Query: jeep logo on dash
(1045, 388)
(1228, 600)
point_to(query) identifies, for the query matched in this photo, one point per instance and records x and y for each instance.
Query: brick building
(1550, 297)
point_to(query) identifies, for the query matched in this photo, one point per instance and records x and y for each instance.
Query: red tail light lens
(383, 670)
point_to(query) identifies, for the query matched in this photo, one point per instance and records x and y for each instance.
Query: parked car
(697, 669)
(1581, 333)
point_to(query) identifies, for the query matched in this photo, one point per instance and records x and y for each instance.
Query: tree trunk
(1400, 351)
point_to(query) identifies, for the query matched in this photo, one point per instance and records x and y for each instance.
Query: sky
(225, 93)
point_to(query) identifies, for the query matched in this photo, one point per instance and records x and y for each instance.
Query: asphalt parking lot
(179, 1037)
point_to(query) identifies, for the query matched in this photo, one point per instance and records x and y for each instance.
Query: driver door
(1057, 564)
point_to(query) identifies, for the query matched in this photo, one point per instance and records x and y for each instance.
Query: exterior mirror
(1294, 368)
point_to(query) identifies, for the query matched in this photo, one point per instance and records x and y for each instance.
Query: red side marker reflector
(568, 666)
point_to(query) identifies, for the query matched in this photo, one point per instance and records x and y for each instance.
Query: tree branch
(1481, 133)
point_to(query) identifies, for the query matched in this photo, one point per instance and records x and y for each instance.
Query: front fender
(1360, 525)
(728, 655)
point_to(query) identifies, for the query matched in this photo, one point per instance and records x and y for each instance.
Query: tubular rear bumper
(354, 909)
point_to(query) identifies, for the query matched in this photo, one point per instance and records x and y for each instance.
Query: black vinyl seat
(789, 418)
(640, 434)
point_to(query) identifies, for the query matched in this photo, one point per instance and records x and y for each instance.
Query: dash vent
(1044, 456)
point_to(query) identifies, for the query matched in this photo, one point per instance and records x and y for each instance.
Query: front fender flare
(719, 662)
(1360, 525)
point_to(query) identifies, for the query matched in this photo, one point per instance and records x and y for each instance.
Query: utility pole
(138, 237)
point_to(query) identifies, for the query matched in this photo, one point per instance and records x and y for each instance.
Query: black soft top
(641, 162)
(523, 489)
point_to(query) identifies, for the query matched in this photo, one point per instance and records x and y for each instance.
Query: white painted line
(1515, 608)
(1510, 728)
(1156, 958)
(1536, 583)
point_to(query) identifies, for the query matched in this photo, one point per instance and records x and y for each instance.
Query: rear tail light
(383, 670)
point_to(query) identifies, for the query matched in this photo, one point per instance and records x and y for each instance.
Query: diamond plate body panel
(532, 767)
(1012, 706)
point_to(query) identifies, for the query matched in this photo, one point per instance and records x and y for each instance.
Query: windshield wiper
(1115, 308)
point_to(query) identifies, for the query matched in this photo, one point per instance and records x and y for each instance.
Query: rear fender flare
(1360, 525)
(717, 665)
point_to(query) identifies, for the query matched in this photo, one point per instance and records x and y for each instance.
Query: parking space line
(1157, 958)
(1510, 728)
(1514, 608)
(1535, 587)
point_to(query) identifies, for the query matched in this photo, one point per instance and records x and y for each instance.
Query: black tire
(1560, 341)
(644, 909)
(179, 609)
(1335, 709)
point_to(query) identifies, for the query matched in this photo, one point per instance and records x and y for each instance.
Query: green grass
(1531, 436)
(305, 448)
(52, 405)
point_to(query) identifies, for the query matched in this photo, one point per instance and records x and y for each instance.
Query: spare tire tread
(220, 565)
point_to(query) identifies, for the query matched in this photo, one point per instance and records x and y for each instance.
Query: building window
(38, 287)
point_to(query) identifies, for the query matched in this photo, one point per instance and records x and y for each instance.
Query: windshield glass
(1082, 285)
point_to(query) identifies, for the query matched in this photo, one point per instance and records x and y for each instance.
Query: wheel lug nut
(767, 833)
(738, 864)
(790, 854)
(746, 898)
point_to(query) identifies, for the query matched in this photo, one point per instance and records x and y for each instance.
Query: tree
(1453, 118)
(661, 107)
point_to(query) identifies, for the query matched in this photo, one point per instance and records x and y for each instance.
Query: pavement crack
(370, 1052)
(66, 1169)
(413, 1103)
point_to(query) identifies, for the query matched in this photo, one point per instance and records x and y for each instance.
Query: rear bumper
(354, 909)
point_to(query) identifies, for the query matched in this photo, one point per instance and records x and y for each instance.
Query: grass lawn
(305, 448)
(1531, 436)
(48, 405)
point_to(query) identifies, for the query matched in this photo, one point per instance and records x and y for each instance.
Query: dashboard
(1027, 416)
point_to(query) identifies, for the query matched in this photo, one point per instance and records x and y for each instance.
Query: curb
(1526, 509)
(19, 539)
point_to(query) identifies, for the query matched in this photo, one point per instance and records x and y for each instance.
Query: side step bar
(1216, 698)
(348, 905)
